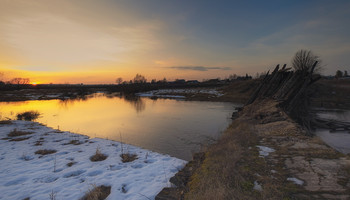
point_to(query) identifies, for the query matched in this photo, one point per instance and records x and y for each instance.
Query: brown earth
(331, 94)
(233, 168)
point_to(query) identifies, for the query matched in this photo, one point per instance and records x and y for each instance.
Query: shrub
(71, 164)
(5, 122)
(28, 115)
(97, 193)
(98, 156)
(15, 133)
(19, 139)
(45, 151)
(127, 157)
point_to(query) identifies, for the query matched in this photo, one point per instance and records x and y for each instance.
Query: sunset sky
(87, 41)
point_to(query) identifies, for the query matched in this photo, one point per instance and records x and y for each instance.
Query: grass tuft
(71, 164)
(127, 157)
(39, 143)
(45, 151)
(74, 142)
(16, 133)
(19, 139)
(97, 193)
(28, 115)
(98, 156)
(5, 122)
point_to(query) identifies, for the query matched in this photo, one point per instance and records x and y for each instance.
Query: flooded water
(338, 140)
(169, 126)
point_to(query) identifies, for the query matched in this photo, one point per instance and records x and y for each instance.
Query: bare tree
(338, 74)
(19, 81)
(232, 76)
(119, 80)
(1, 77)
(303, 60)
(139, 79)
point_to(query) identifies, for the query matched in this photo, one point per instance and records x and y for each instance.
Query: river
(175, 127)
(339, 140)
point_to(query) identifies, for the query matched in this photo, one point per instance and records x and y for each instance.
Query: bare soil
(233, 168)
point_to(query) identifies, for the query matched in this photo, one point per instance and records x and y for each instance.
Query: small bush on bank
(19, 139)
(97, 193)
(98, 156)
(5, 122)
(28, 115)
(45, 151)
(127, 157)
(16, 133)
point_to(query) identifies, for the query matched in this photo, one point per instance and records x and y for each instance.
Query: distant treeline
(127, 87)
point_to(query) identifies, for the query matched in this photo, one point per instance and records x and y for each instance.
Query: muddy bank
(265, 155)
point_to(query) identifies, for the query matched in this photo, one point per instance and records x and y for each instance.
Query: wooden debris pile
(290, 89)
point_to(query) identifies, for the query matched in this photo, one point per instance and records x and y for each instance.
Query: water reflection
(136, 102)
(167, 126)
(339, 140)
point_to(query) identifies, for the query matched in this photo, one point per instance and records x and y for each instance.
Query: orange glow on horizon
(35, 83)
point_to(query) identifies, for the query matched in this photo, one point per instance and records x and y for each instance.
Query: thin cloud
(199, 68)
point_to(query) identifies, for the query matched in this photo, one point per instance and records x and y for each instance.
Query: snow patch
(166, 93)
(257, 186)
(296, 181)
(36, 177)
(264, 151)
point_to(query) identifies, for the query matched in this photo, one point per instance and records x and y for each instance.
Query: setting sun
(35, 83)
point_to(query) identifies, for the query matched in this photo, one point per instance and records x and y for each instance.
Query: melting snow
(265, 151)
(257, 186)
(25, 174)
(296, 181)
(164, 93)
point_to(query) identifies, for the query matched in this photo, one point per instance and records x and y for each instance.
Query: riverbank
(264, 155)
(38, 162)
(238, 91)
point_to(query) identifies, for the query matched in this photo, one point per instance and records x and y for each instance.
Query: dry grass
(239, 91)
(39, 143)
(71, 164)
(74, 142)
(97, 193)
(16, 133)
(230, 169)
(127, 157)
(45, 151)
(232, 165)
(19, 139)
(331, 94)
(28, 115)
(5, 122)
(98, 156)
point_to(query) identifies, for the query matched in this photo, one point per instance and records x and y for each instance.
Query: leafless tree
(338, 74)
(19, 81)
(139, 79)
(304, 59)
(119, 80)
(232, 76)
